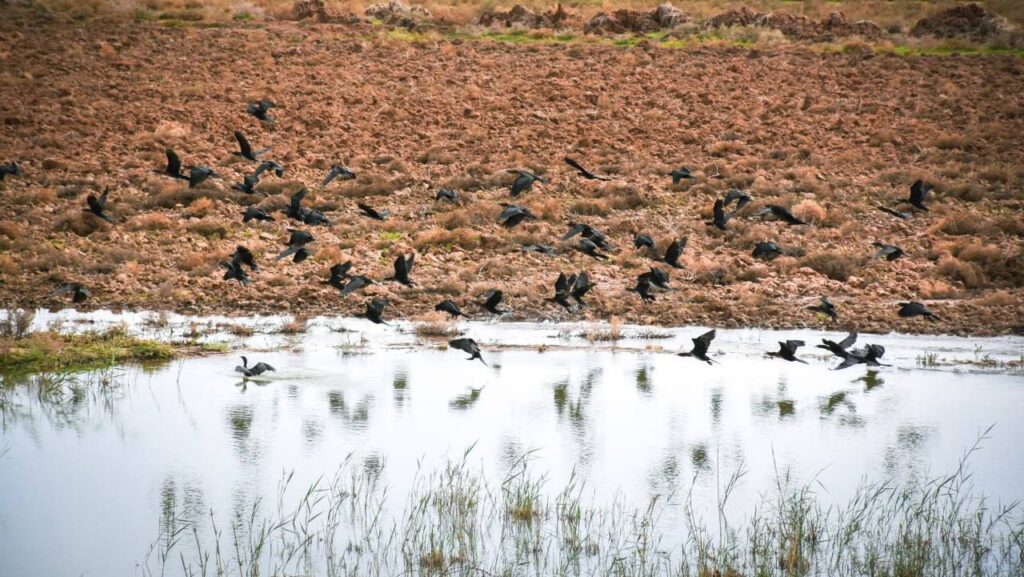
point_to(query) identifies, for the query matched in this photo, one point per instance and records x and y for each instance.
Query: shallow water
(92, 476)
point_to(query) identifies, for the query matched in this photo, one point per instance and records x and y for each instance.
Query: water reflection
(643, 379)
(871, 380)
(463, 402)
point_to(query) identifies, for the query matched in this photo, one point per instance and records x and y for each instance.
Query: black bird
(915, 309)
(469, 346)
(403, 268)
(643, 288)
(700, 347)
(338, 171)
(446, 194)
(375, 311)
(787, 351)
(767, 250)
(339, 273)
(894, 212)
(373, 213)
(779, 213)
(254, 213)
(583, 171)
(255, 370)
(641, 240)
(96, 206)
(541, 248)
(297, 240)
(563, 288)
(302, 254)
(234, 270)
(260, 108)
(825, 307)
(315, 218)
(580, 287)
(869, 355)
(656, 277)
(14, 170)
(247, 185)
(721, 218)
(355, 283)
(524, 181)
(198, 174)
(270, 165)
(918, 191)
(244, 256)
(294, 208)
(589, 233)
(839, 349)
(587, 246)
(889, 252)
(675, 250)
(741, 198)
(245, 149)
(681, 173)
(492, 299)
(449, 306)
(172, 170)
(78, 292)
(513, 214)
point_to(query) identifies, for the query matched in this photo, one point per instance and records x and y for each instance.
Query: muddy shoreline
(831, 136)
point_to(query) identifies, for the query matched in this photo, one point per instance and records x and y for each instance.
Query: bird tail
(481, 360)
(287, 252)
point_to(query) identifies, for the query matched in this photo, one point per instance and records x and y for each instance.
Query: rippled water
(91, 474)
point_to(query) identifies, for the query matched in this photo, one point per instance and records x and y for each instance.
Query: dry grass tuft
(967, 274)
(209, 228)
(835, 265)
(464, 238)
(959, 224)
(809, 211)
(79, 222)
(436, 330)
(10, 229)
(151, 221)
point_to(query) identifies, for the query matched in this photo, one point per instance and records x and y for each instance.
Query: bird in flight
(78, 291)
(375, 311)
(10, 169)
(173, 168)
(248, 185)
(889, 252)
(787, 351)
(918, 191)
(403, 268)
(767, 251)
(738, 196)
(260, 108)
(524, 181)
(583, 171)
(355, 283)
(894, 212)
(700, 347)
(588, 233)
(588, 247)
(513, 214)
(825, 307)
(492, 299)
(339, 172)
(446, 194)
(916, 309)
(270, 165)
(244, 256)
(199, 174)
(449, 306)
(245, 149)
(778, 212)
(720, 218)
(234, 271)
(255, 370)
(97, 205)
(373, 213)
(297, 242)
(642, 288)
(680, 174)
(339, 273)
(469, 346)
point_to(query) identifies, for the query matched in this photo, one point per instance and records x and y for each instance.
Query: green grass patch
(49, 351)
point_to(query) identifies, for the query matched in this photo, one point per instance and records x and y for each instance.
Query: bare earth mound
(521, 17)
(797, 26)
(663, 17)
(970, 21)
(829, 136)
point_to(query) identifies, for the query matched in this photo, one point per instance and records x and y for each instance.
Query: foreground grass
(457, 522)
(51, 351)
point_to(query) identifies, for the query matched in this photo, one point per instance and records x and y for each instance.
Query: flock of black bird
(569, 289)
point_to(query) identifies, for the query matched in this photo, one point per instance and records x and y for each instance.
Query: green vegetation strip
(49, 351)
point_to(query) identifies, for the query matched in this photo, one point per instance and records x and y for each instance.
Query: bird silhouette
(260, 108)
(825, 307)
(700, 347)
(255, 370)
(492, 299)
(675, 250)
(589, 233)
(767, 251)
(840, 348)
(524, 181)
(255, 213)
(579, 288)
(375, 311)
(297, 240)
(563, 290)
(513, 214)
(12, 169)
(447, 195)
(721, 217)
(97, 205)
(339, 273)
(244, 256)
(469, 346)
(355, 283)
(738, 196)
(643, 288)
(339, 172)
(583, 171)
(916, 309)
(78, 291)
(894, 212)
(200, 174)
(245, 149)
(268, 165)
(294, 208)
(372, 212)
(449, 306)
(918, 191)
(587, 247)
(787, 351)
(778, 212)
(541, 248)
(248, 185)
(680, 174)
(889, 252)
(234, 271)
(657, 277)
(403, 268)
(643, 241)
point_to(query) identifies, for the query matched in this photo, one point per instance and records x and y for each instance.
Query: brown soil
(829, 135)
(970, 21)
(797, 26)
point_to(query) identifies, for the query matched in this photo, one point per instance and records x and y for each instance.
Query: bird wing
(494, 298)
(368, 210)
(562, 284)
(574, 230)
(243, 144)
(720, 211)
(849, 340)
(296, 201)
(792, 346)
(896, 213)
(261, 367)
(917, 192)
(173, 162)
(333, 172)
(703, 342)
(675, 250)
(354, 284)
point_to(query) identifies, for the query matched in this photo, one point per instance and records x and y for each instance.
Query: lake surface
(93, 474)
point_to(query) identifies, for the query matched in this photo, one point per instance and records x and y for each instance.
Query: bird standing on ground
(96, 206)
(78, 291)
(700, 347)
(469, 346)
(681, 173)
(524, 181)
(916, 309)
(403, 268)
(787, 351)
(583, 171)
(889, 252)
(825, 307)
(675, 250)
